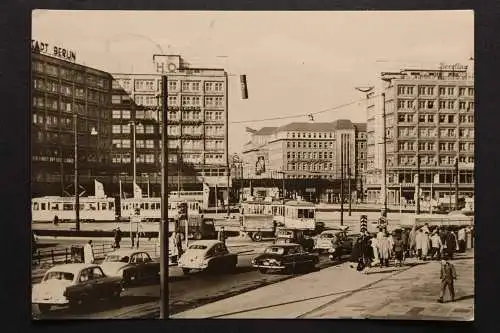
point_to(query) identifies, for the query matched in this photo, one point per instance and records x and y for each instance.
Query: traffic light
(244, 87)
(363, 221)
(182, 211)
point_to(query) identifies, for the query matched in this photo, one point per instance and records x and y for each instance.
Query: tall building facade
(311, 157)
(196, 125)
(64, 92)
(429, 117)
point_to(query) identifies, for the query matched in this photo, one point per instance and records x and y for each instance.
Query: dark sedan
(131, 265)
(287, 258)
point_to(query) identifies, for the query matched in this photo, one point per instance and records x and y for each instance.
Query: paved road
(196, 289)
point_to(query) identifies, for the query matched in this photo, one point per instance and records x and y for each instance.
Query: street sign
(363, 223)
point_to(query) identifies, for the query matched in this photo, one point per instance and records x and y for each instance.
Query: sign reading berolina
(55, 51)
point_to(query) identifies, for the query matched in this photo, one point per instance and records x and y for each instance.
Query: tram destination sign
(52, 50)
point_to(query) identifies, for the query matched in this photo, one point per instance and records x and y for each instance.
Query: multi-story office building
(197, 125)
(429, 117)
(63, 91)
(309, 156)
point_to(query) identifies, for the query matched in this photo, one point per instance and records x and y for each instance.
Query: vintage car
(209, 255)
(331, 239)
(287, 258)
(294, 236)
(132, 265)
(73, 284)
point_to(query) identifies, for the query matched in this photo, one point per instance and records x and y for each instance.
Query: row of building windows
(70, 74)
(443, 146)
(150, 100)
(432, 132)
(430, 160)
(311, 135)
(173, 85)
(443, 119)
(310, 166)
(409, 104)
(429, 90)
(139, 129)
(309, 144)
(310, 155)
(67, 90)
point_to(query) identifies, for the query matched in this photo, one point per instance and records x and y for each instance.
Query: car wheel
(257, 237)
(44, 308)
(115, 295)
(185, 271)
(263, 270)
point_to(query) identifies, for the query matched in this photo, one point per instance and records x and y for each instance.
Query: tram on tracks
(45, 209)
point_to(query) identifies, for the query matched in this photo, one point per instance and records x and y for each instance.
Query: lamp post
(163, 233)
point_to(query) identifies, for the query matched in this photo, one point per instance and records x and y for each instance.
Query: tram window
(111, 205)
(35, 206)
(42, 206)
(67, 206)
(103, 206)
(54, 206)
(146, 205)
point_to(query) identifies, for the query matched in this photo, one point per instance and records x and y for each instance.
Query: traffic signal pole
(163, 234)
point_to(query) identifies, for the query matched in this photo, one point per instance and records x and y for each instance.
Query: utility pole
(384, 154)
(349, 172)
(77, 195)
(456, 183)
(226, 137)
(163, 233)
(417, 187)
(341, 179)
(134, 181)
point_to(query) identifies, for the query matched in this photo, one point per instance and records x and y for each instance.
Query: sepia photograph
(252, 165)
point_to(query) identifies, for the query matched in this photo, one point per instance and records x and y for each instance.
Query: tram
(149, 208)
(258, 218)
(45, 209)
(300, 215)
(272, 208)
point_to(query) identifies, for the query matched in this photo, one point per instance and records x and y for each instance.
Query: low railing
(64, 255)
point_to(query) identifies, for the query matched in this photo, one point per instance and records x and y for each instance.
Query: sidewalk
(339, 292)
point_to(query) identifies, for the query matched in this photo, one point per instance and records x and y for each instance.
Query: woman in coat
(413, 241)
(384, 246)
(418, 243)
(374, 245)
(425, 245)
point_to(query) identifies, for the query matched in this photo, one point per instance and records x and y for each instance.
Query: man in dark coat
(118, 237)
(448, 275)
(405, 239)
(450, 243)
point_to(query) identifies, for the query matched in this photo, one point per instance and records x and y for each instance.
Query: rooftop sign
(455, 67)
(55, 51)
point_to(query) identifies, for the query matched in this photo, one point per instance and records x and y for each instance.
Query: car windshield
(116, 258)
(275, 250)
(326, 236)
(198, 247)
(209, 222)
(59, 276)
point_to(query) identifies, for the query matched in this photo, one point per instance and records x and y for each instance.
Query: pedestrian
(436, 245)
(88, 253)
(178, 243)
(384, 250)
(374, 244)
(118, 237)
(356, 258)
(413, 241)
(405, 238)
(418, 243)
(461, 240)
(448, 275)
(398, 251)
(425, 244)
(425, 228)
(450, 243)
(391, 238)
(56, 220)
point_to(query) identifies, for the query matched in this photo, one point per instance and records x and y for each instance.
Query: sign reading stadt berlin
(56, 51)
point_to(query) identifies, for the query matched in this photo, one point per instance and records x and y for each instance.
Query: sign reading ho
(56, 51)
(455, 67)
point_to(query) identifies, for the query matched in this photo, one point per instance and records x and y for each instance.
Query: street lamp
(77, 185)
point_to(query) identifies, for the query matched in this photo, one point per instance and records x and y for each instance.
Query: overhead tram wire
(334, 108)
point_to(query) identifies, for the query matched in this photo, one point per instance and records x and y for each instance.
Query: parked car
(210, 255)
(131, 265)
(73, 284)
(287, 258)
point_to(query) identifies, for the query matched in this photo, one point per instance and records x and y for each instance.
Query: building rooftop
(361, 127)
(343, 124)
(265, 131)
(325, 127)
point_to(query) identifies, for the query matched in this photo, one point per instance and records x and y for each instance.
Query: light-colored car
(132, 265)
(326, 240)
(72, 284)
(210, 255)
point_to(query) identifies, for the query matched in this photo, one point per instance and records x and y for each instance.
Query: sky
(296, 62)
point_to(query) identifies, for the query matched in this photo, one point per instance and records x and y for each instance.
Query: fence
(64, 255)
